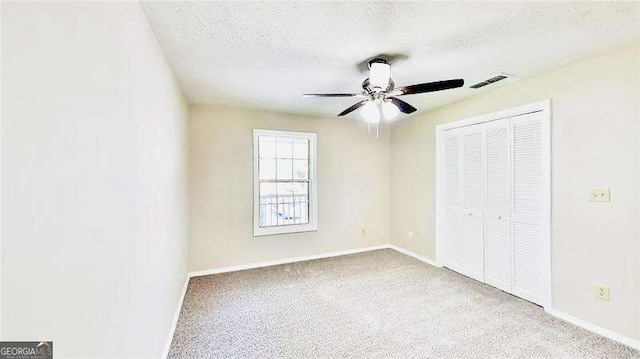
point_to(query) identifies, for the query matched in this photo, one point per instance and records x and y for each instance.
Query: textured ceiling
(266, 54)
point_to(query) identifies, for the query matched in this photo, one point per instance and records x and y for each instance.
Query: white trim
(313, 185)
(284, 261)
(190, 275)
(635, 344)
(439, 249)
(544, 107)
(172, 330)
(499, 115)
(416, 256)
(553, 312)
(311, 257)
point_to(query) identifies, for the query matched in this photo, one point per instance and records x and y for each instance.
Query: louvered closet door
(472, 138)
(451, 221)
(527, 207)
(497, 213)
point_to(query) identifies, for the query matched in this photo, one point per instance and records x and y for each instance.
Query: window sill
(270, 231)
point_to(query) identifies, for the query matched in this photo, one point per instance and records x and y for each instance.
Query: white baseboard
(635, 344)
(284, 261)
(167, 346)
(278, 262)
(566, 317)
(311, 257)
(416, 256)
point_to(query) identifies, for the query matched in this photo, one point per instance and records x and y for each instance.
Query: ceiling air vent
(490, 81)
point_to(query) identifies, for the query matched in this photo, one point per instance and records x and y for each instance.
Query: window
(284, 182)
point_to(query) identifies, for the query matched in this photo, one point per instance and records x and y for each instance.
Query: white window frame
(313, 186)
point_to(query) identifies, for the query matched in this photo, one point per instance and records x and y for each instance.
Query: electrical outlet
(599, 195)
(363, 232)
(603, 292)
(410, 234)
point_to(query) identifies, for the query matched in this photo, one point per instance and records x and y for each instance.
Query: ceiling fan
(379, 93)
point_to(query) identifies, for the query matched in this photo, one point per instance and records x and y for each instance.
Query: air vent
(490, 81)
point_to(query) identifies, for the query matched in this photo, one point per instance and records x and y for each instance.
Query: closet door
(497, 215)
(451, 221)
(527, 207)
(472, 138)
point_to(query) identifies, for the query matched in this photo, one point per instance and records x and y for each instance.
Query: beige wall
(353, 176)
(595, 135)
(94, 180)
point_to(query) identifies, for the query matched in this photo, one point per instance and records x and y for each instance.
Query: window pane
(285, 169)
(301, 148)
(268, 205)
(301, 198)
(285, 192)
(300, 169)
(285, 147)
(293, 203)
(267, 168)
(267, 146)
(300, 189)
(284, 211)
(267, 191)
(303, 213)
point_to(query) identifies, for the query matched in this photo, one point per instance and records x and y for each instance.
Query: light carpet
(379, 304)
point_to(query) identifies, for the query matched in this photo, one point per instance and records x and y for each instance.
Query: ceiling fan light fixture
(389, 110)
(381, 96)
(370, 112)
(379, 75)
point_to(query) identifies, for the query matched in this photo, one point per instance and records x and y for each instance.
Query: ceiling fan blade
(428, 87)
(403, 106)
(353, 108)
(334, 95)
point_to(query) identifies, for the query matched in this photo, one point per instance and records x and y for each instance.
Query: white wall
(595, 136)
(94, 180)
(353, 177)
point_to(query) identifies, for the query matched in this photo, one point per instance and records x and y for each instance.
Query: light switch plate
(410, 234)
(603, 292)
(599, 195)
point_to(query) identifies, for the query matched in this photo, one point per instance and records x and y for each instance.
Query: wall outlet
(603, 292)
(363, 232)
(599, 195)
(410, 234)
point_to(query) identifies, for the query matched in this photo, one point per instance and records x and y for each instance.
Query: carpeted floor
(379, 304)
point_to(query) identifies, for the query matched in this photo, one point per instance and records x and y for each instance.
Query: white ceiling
(266, 54)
